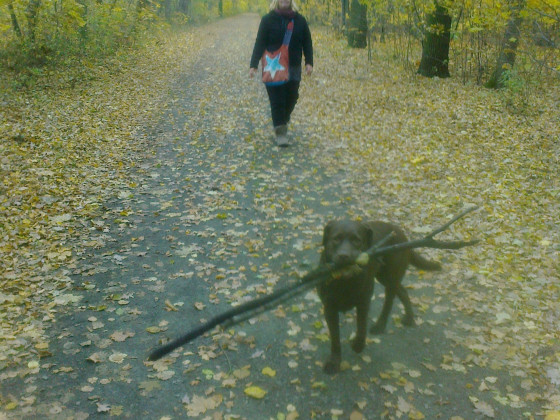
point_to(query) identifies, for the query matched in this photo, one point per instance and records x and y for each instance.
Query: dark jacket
(271, 34)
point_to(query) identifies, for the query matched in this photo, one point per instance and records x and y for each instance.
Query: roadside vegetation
(80, 81)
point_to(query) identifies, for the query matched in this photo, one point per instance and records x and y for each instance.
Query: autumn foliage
(477, 33)
(39, 34)
(82, 140)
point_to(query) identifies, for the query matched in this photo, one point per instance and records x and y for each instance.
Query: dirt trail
(220, 215)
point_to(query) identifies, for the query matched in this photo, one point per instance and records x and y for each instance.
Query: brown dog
(343, 242)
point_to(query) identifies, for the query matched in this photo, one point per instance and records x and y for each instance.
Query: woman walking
(272, 29)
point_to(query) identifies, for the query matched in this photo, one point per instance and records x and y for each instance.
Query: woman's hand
(252, 72)
(308, 69)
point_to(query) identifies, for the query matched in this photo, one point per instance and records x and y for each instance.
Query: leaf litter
(394, 145)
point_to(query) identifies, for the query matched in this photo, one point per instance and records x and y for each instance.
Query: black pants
(283, 100)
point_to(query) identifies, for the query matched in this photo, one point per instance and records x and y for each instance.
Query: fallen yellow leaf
(552, 415)
(416, 415)
(153, 330)
(33, 364)
(356, 415)
(169, 306)
(269, 372)
(255, 392)
(242, 373)
(11, 406)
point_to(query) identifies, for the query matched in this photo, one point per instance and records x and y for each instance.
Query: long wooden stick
(254, 307)
(428, 241)
(231, 317)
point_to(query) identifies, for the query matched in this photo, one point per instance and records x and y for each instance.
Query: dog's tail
(419, 261)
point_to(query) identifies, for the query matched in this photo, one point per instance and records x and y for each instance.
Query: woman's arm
(307, 47)
(260, 43)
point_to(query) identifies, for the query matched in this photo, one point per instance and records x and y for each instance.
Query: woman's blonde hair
(274, 5)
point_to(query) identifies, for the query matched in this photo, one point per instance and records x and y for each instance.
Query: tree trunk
(435, 44)
(344, 10)
(83, 30)
(168, 9)
(32, 15)
(184, 6)
(357, 26)
(508, 49)
(15, 23)
(221, 7)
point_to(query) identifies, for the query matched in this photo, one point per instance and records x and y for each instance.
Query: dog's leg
(408, 319)
(379, 326)
(332, 365)
(359, 341)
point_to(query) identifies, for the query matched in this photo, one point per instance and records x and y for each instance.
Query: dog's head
(345, 240)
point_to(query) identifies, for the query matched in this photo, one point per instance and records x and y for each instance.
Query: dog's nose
(343, 258)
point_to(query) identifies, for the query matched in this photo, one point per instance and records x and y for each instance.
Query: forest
(141, 194)
(490, 42)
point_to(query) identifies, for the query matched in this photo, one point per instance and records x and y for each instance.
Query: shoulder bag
(276, 64)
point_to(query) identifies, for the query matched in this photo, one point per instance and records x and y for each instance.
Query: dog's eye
(356, 241)
(337, 239)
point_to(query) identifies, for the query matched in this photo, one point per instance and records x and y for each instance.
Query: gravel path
(220, 215)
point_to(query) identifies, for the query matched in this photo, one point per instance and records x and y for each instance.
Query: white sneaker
(281, 137)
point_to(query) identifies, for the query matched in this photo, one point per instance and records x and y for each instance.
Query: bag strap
(288, 34)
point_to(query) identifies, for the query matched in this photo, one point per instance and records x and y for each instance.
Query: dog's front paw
(358, 344)
(409, 321)
(332, 365)
(377, 329)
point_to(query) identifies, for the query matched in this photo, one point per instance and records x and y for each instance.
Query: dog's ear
(367, 233)
(327, 232)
